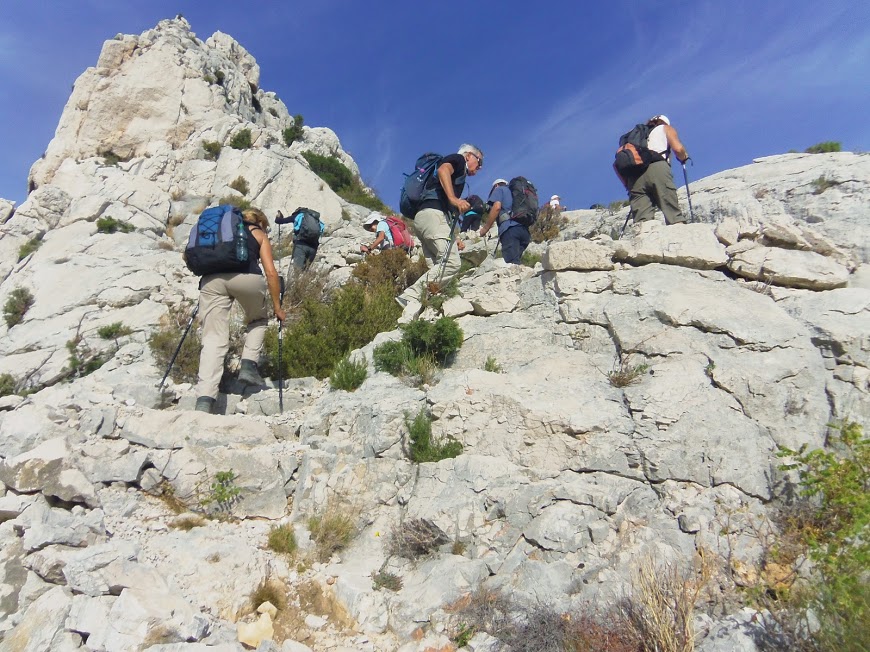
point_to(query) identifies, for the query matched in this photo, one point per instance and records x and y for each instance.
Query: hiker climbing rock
(643, 163)
(251, 290)
(307, 229)
(377, 224)
(435, 219)
(514, 207)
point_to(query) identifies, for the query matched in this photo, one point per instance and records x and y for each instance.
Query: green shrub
(293, 133)
(7, 385)
(110, 158)
(234, 200)
(357, 194)
(164, 341)
(240, 184)
(282, 539)
(348, 374)
(627, 374)
(422, 447)
(549, 224)
(821, 184)
(222, 492)
(386, 580)
(241, 139)
(393, 357)
(82, 359)
(324, 332)
(391, 266)
(19, 302)
(111, 225)
(29, 247)
(822, 148)
(835, 482)
(529, 259)
(113, 331)
(440, 339)
(492, 365)
(331, 531)
(330, 169)
(219, 77)
(212, 149)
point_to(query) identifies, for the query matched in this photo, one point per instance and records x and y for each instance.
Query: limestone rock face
(622, 400)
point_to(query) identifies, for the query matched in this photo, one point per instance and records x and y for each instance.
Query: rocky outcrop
(645, 384)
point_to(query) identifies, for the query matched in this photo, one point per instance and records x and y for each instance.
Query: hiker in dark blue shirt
(513, 236)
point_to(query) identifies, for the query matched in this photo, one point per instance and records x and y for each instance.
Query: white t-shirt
(554, 203)
(658, 142)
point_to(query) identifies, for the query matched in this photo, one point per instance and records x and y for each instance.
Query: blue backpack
(218, 242)
(418, 185)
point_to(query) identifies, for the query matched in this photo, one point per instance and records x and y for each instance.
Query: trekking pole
(280, 324)
(625, 224)
(178, 348)
(688, 195)
(453, 221)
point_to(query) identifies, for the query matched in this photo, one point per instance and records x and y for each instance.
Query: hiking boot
(250, 375)
(204, 404)
(411, 311)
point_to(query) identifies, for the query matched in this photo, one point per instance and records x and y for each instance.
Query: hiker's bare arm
(271, 273)
(444, 172)
(374, 245)
(675, 144)
(490, 220)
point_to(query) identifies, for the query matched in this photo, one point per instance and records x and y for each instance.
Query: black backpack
(418, 185)
(524, 199)
(218, 243)
(633, 156)
(309, 227)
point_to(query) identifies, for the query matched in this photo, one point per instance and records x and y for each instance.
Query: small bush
(348, 374)
(323, 332)
(111, 225)
(165, 340)
(386, 580)
(529, 259)
(269, 590)
(240, 184)
(29, 247)
(293, 133)
(357, 193)
(415, 538)
(330, 169)
(110, 158)
(422, 447)
(82, 359)
(616, 206)
(222, 492)
(219, 77)
(492, 365)
(212, 149)
(549, 224)
(391, 266)
(821, 184)
(440, 339)
(282, 539)
(7, 385)
(627, 374)
(241, 139)
(331, 531)
(113, 331)
(822, 148)
(19, 302)
(187, 522)
(234, 200)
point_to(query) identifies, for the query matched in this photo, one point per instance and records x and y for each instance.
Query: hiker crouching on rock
(377, 224)
(432, 225)
(513, 236)
(216, 295)
(655, 187)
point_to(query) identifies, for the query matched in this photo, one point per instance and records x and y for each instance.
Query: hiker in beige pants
(252, 291)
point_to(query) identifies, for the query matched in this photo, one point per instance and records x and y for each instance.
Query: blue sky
(544, 89)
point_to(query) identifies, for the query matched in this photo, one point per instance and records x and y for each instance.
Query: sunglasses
(479, 160)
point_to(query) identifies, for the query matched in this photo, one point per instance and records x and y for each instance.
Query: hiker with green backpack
(432, 198)
(643, 164)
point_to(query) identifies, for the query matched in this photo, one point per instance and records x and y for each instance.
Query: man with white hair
(655, 188)
(441, 204)
(555, 203)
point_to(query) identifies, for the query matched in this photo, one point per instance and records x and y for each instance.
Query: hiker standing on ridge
(432, 225)
(216, 295)
(514, 237)
(655, 188)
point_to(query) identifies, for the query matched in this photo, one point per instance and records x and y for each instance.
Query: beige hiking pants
(216, 297)
(653, 189)
(433, 231)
